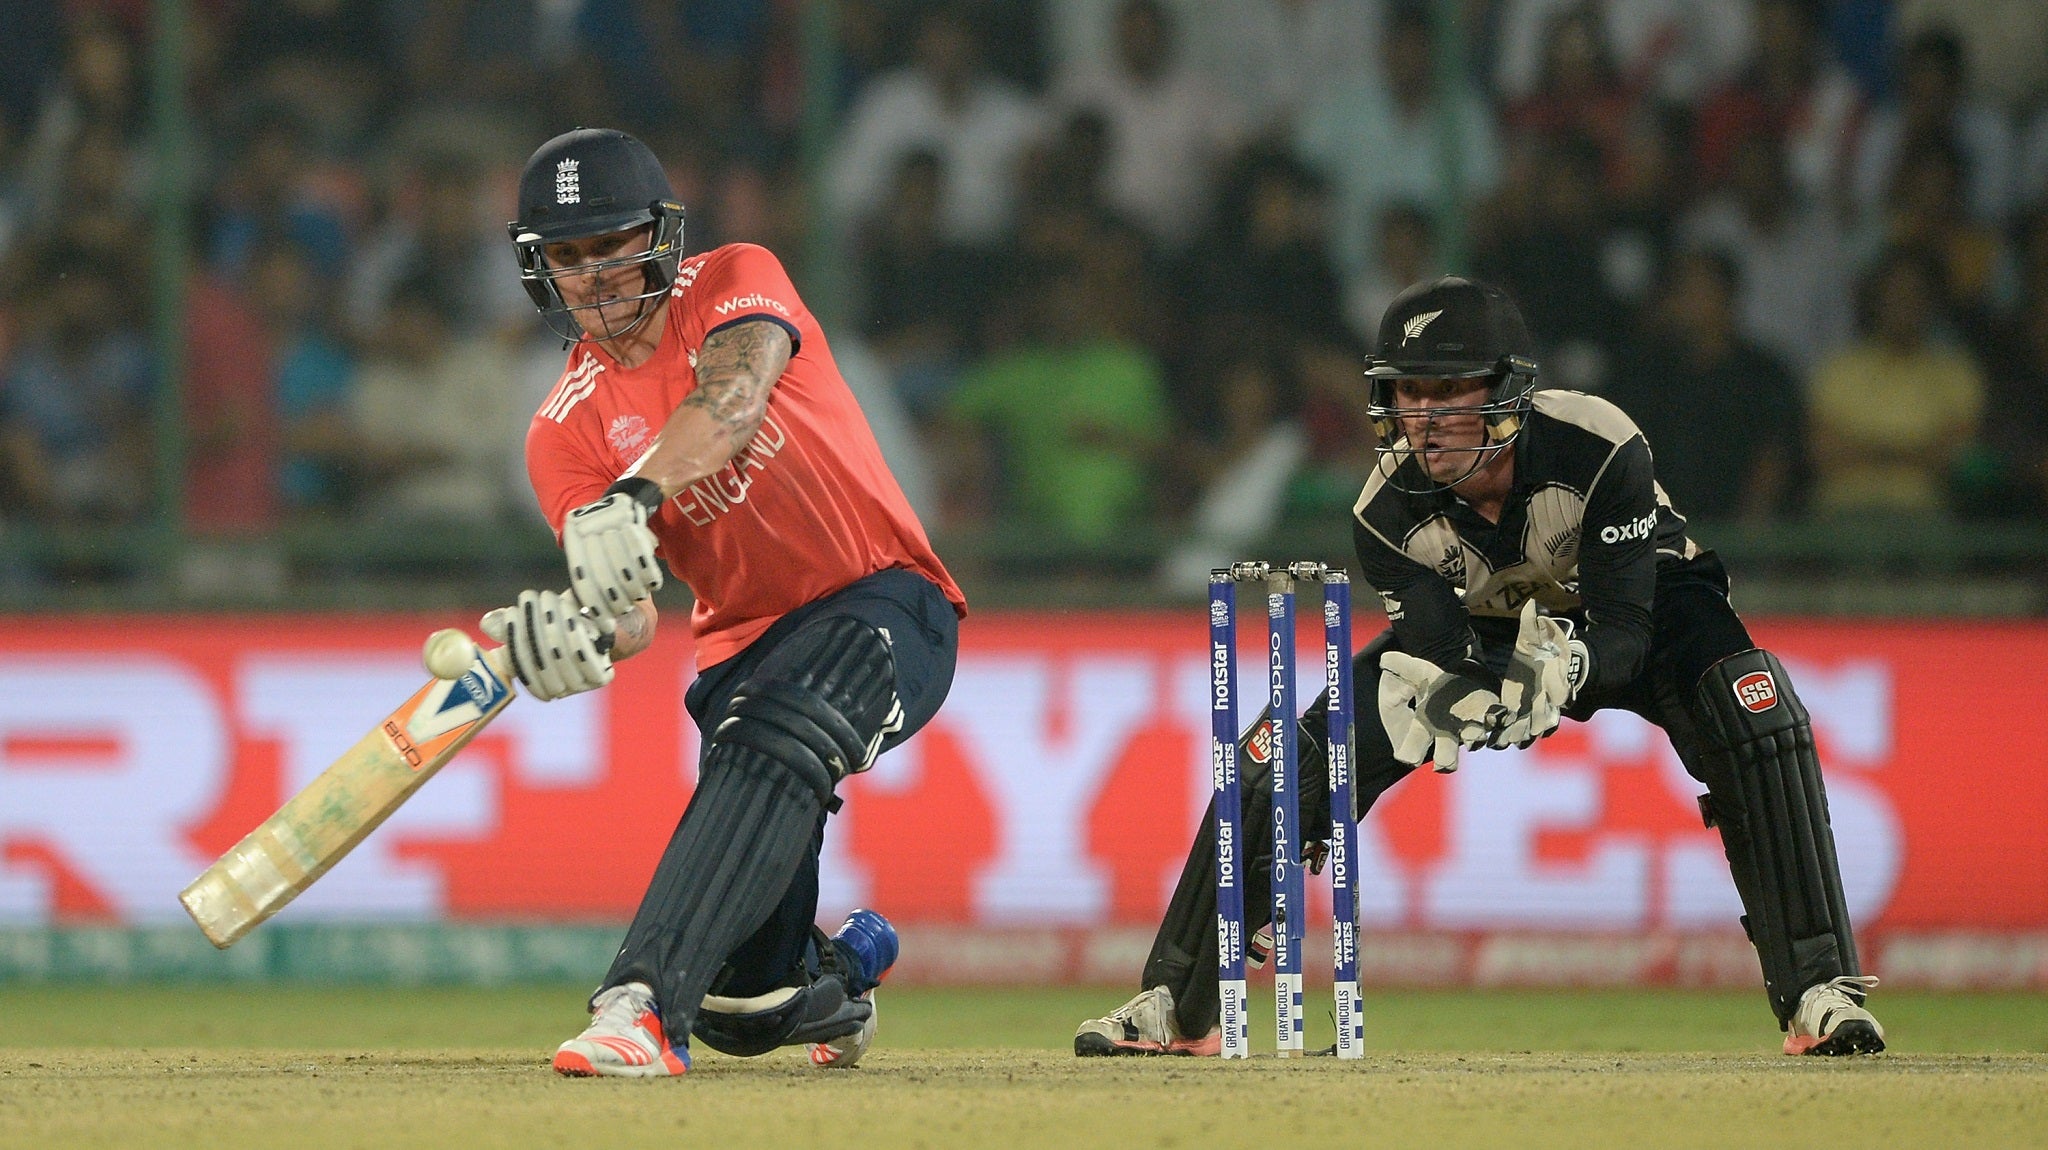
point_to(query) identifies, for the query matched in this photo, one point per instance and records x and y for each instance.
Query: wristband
(646, 492)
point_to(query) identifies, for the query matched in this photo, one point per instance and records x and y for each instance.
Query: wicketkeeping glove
(556, 649)
(1539, 683)
(610, 550)
(1431, 713)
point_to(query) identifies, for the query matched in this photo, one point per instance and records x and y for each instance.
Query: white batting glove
(610, 550)
(556, 649)
(1446, 712)
(1538, 684)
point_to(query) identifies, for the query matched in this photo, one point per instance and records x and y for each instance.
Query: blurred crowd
(1110, 266)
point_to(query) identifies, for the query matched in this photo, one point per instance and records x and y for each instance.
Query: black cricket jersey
(1585, 531)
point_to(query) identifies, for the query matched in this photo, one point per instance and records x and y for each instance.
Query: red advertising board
(1055, 792)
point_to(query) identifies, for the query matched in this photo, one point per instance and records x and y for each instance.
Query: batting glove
(610, 550)
(557, 650)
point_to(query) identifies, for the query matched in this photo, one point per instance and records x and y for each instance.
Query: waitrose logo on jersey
(1056, 790)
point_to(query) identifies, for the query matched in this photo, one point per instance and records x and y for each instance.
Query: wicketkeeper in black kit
(1532, 568)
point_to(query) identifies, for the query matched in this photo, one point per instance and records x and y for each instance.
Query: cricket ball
(448, 653)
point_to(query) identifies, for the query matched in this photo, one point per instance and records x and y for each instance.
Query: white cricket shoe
(845, 1051)
(1831, 1019)
(625, 1039)
(874, 945)
(1144, 1025)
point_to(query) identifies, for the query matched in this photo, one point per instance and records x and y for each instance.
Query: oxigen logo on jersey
(568, 182)
(1757, 692)
(1633, 529)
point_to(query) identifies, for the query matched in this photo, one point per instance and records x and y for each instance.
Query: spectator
(1669, 49)
(88, 129)
(2030, 187)
(312, 378)
(1795, 288)
(1794, 91)
(267, 195)
(31, 53)
(1893, 412)
(945, 104)
(1579, 89)
(1692, 378)
(1380, 139)
(2009, 479)
(1407, 255)
(232, 449)
(433, 417)
(1557, 263)
(1168, 131)
(1934, 102)
(1926, 211)
(1243, 471)
(1271, 58)
(2005, 42)
(442, 233)
(1267, 267)
(1076, 411)
(924, 293)
(326, 65)
(1066, 217)
(75, 399)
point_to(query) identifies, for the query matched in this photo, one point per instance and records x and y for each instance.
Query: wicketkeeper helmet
(1453, 328)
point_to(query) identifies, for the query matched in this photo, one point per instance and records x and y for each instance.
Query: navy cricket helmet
(593, 182)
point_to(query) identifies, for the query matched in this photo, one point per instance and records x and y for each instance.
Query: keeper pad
(1183, 957)
(1767, 798)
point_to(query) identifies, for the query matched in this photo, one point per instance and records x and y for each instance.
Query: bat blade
(317, 827)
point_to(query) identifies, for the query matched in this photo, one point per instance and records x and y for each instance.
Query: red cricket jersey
(805, 509)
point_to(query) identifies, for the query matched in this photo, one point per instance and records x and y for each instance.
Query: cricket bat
(317, 827)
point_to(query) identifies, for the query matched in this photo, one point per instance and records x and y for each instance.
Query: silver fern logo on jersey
(1413, 325)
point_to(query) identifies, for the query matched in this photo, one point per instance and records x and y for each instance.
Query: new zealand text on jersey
(721, 491)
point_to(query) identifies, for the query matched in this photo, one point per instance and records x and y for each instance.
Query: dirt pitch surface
(307, 1069)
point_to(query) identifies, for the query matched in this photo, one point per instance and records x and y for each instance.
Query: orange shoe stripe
(629, 1051)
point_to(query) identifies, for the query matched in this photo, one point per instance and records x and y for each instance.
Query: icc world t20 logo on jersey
(627, 435)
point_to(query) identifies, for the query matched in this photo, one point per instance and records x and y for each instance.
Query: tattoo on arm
(735, 369)
(635, 634)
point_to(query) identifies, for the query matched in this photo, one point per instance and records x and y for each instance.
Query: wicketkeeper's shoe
(1831, 1019)
(1144, 1025)
(872, 942)
(624, 1039)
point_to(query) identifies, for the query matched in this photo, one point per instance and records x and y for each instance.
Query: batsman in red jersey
(700, 418)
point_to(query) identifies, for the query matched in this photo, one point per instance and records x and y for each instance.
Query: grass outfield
(313, 1068)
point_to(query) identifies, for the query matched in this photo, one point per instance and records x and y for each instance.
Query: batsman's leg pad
(735, 850)
(790, 1016)
(827, 696)
(1766, 796)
